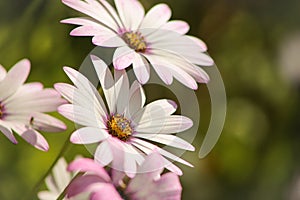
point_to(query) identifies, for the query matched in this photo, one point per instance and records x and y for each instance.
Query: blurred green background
(256, 46)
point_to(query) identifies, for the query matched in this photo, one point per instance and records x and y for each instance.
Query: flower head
(126, 129)
(58, 181)
(22, 106)
(144, 186)
(142, 38)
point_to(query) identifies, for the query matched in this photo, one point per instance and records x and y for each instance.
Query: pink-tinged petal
(88, 135)
(93, 9)
(121, 90)
(112, 11)
(82, 116)
(131, 158)
(176, 62)
(14, 79)
(137, 99)
(106, 191)
(168, 187)
(46, 100)
(107, 82)
(152, 166)
(161, 70)
(32, 137)
(92, 30)
(86, 183)
(167, 125)
(177, 26)
(103, 154)
(8, 133)
(141, 69)
(154, 110)
(2, 72)
(123, 57)
(90, 166)
(87, 90)
(117, 177)
(66, 90)
(178, 73)
(131, 13)
(198, 42)
(169, 140)
(83, 21)
(105, 40)
(44, 122)
(148, 148)
(173, 168)
(156, 16)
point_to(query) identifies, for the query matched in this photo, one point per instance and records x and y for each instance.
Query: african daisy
(22, 106)
(144, 186)
(142, 38)
(126, 129)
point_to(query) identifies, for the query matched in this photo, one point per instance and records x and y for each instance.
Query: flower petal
(2, 72)
(121, 90)
(137, 99)
(31, 136)
(167, 124)
(14, 79)
(103, 154)
(131, 13)
(177, 26)
(60, 174)
(87, 90)
(88, 135)
(82, 116)
(123, 57)
(86, 183)
(44, 122)
(90, 166)
(106, 81)
(141, 69)
(154, 110)
(156, 16)
(106, 191)
(7, 132)
(93, 9)
(169, 140)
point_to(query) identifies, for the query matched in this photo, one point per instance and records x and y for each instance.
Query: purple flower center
(119, 126)
(135, 40)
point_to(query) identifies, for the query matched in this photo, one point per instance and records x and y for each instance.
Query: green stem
(41, 181)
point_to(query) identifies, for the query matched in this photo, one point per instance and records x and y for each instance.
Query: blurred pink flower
(121, 130)
(22, 106)
(142, 38)
(144, 186)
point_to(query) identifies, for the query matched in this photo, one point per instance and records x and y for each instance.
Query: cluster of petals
(150, 123)
(147, 185)
(22, 106)
(142, 39)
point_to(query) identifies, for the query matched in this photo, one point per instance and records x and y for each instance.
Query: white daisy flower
(126, 129)
(22, 106)
(58, 181)
(142, 38)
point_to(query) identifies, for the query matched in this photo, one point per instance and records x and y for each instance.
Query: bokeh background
(256, 46)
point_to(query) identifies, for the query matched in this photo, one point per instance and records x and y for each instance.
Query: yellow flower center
(135, 40)
(119, 126)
